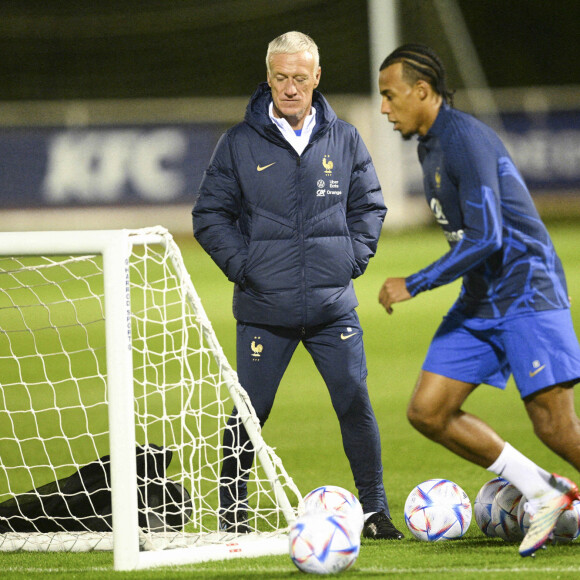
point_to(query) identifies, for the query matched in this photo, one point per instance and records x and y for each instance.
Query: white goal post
(106, 353)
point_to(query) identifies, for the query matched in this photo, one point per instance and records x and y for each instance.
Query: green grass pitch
(305, 433)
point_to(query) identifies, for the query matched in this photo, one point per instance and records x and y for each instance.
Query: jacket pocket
(329, 253)
(273, 257)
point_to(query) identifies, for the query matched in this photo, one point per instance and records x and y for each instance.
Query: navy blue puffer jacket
(291, 231)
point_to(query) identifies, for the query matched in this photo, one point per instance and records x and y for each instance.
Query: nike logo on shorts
(536, 371)
(346, 336)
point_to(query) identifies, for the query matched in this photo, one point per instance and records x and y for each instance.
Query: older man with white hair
(290, 209)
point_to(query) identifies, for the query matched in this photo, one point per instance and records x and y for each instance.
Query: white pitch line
(418, 570)
(190, 570)
(63, 570)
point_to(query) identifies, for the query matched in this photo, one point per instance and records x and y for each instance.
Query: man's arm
(366, 208)
(475, 172)
(472, 164)
(392, 291)
(482, 236)
(216, 212)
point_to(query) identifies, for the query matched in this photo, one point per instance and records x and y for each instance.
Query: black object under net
(82, 501)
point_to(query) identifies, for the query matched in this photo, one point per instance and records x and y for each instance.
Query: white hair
(291, 43)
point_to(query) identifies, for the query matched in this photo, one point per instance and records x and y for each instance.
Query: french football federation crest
(257, 348)
(437, 178)
(328, 165)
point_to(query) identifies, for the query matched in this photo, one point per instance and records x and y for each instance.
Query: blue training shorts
(539, 348)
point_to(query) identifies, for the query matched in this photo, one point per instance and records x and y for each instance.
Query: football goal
(114, 398)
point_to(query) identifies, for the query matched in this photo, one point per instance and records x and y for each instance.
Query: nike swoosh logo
(345, 336)
(261, 168)
(534, 373)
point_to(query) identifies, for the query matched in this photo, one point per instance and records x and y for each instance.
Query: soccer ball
(504, 514)
(323, 543)
(523, 516)
(483, 502)
(567, 527)
(437, 509)
(332, 498)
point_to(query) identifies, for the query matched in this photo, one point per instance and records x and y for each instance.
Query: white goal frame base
(186, 549)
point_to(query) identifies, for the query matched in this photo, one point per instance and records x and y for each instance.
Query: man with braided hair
(513, 312)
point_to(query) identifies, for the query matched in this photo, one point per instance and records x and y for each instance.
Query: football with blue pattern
(436, 510)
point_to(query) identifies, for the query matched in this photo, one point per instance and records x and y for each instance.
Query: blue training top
(497, 240)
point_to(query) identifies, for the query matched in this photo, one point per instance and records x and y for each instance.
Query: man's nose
(385, 107)
(290, 87)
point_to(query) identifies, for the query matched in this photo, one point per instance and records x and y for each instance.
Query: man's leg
(555, 421)
(338, 352)
(544, 357)
(342, 364)
(263, 354)
(556, 424)
(435, 411)
(362, 446)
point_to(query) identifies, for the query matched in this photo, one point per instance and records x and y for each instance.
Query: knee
(235, 423)
(558, 434)
(351, 402)
(545, 430)
(561, 433)
(555, 423)
(425, 419)
(262, 408)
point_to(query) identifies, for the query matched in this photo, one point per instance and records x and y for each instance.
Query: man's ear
(423, 89)
(317, 77)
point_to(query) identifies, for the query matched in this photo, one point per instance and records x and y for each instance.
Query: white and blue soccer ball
(323, 542)
(504, 513)
(331, 498)
(483, 502)
(567, 527)
(437, 509)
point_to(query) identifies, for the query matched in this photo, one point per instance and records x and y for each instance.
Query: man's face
(401, 101)
(292, 78)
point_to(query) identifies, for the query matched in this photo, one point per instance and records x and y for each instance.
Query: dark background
(79, 49)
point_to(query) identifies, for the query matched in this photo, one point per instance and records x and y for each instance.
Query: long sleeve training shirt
(498, 243)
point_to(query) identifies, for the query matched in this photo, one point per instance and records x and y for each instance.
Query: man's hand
(392, 291)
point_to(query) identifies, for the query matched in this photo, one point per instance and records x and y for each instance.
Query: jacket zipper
(301, 239)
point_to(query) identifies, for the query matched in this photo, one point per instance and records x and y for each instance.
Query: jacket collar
(439, 123)
(257, 113)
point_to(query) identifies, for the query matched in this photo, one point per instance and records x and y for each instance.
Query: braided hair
(421, 63)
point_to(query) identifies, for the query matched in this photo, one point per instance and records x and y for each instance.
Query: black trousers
(263, 355)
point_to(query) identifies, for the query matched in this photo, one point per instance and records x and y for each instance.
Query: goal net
(111, 374)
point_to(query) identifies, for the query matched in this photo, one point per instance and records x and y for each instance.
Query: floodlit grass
(305, 433)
